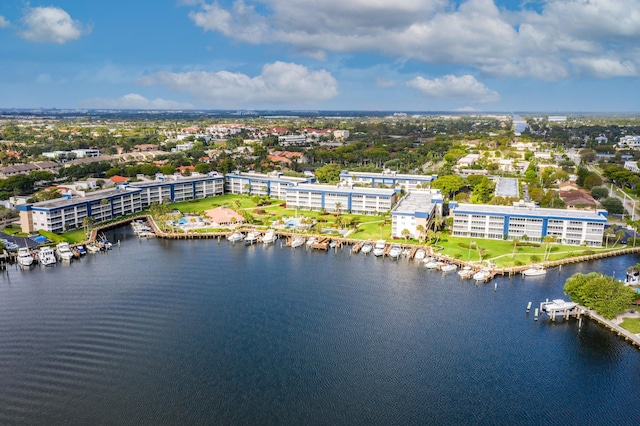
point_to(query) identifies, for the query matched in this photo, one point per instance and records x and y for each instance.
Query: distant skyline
(377, 55)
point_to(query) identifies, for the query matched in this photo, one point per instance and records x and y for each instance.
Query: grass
(631, 324)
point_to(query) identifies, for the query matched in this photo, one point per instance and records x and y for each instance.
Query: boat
(103, 243)
(81, 250)
(534, 271)
(297, 242)
(333, 244)
(252, 237)
(24, 256)
(466, 272)
(92, 248)
(46, 256)
(432, 264)
(366, 248)
(448, 267)
(420, 254)
(64, 251)
(270, 237)
(406, 252)
(378, 249)
(395, 252)
(235, 237)
(311, 240)
(557, 306)
(482, 275)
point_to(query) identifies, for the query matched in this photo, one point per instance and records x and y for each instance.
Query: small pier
(560, 308)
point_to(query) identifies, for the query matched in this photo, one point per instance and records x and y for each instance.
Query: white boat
(557, 306)
(533, 271)
(92, 248)
(482, 275)
(46, 256)
(432, 264)
(449, 267)
(465, 272)
(297, 242)
(24, 256)
(270, 237)
(63, 251)
(252, 237)
(366, 248)
(378, 249)
(395, 252)
(311, 240)
(235, 237)
(420, 254)
(333, 244)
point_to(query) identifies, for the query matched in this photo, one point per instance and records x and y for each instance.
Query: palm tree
(406, 233)
(420, 230)
(619, 235)
(437, 222)
(548, 240)
(608, 233)
(431, 235)
(438, 236)
(338, 207)
(515, 244)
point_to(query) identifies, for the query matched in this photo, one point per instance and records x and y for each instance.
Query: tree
(601, 293)
(599, 192)
(328, 174)
(608, 233)
(420, 230)
(515, 244)
(406, 233)
(613, 205)
(592, 180)
(448, 184)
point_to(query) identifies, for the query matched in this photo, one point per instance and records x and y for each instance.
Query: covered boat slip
(558, 307)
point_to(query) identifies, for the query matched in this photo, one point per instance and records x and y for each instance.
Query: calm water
(197, 332)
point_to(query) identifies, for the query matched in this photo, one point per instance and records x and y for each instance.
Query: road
(627, 202)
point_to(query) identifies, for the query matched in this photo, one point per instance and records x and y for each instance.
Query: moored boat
(534, 271)
(24, 256)
(297, 242)
(420, 254)
(448, 267)
(64, 251)
(366, 248)
(46, 256)
(311, 240)
(482, 275)
(235, 237)
(270, 237)
(378, 249)
(395, 252)
(92, 248)
(252, 237)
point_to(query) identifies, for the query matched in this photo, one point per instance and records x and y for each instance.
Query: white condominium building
(388, 179)
(334, 198)
(525, 221)
(418, 208)
(270, 184)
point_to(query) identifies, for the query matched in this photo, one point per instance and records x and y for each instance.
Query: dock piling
(535, 314)
(528, 307)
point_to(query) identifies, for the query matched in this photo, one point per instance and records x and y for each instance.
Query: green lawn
(631, 324)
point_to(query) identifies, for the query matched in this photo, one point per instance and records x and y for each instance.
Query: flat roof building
(388, 179)
(336, 198)
(526, 221)
(507, 187)
(415, 213)
(270, 184)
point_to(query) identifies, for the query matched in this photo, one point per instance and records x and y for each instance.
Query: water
(197, 332)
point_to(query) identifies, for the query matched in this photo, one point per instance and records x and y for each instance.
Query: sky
(370, 55)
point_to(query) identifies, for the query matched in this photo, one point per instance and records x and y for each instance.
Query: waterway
(201, 332)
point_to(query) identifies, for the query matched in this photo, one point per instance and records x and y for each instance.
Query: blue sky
(404, 55)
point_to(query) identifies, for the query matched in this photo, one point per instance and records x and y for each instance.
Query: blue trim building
(418, 208)
(333, 198)
(388, 180)
(526, 221)
(271, 184)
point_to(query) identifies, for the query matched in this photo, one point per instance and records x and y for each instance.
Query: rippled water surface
(201, 332)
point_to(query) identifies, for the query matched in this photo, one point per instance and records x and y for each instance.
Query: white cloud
(605, 68)
(134, 101)
(51, 25)
(548, 42)
(465, 88)
(278, 83)
(4, 23)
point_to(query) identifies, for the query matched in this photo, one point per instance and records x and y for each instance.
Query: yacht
(448, 267)
(46, 256)
(395, 252)
(24, 256)
(378, 249)
(333, 244)
(431, 264)
(63, 251)
(420, 254)
(270, 237)
(311, 240)
(252, 237)
(297, 242)
(92, 248)
(466, 272)
(482, 275)
(534, 271)
(235, 237)
(366, 248)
